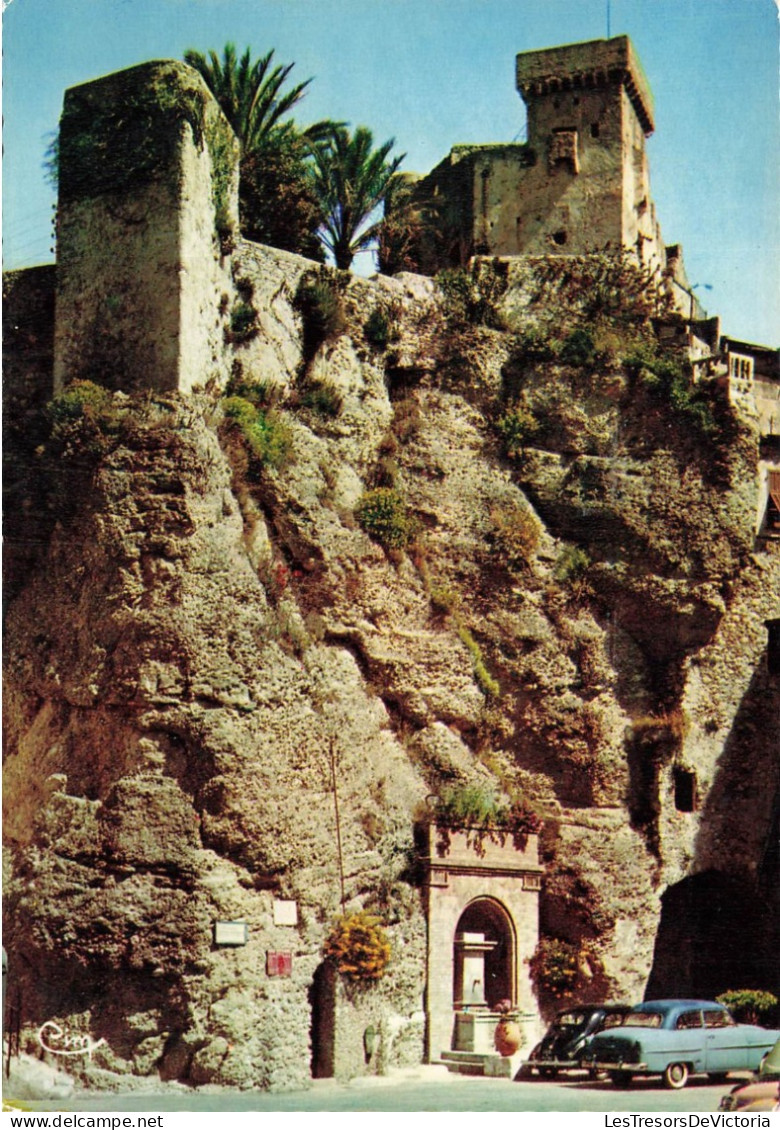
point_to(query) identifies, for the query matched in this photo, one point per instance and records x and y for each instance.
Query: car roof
(667, 1005)
(594, 1008)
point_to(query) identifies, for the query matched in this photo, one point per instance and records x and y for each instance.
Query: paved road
(425, 1092)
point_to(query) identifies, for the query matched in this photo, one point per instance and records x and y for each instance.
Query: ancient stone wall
(148, 172)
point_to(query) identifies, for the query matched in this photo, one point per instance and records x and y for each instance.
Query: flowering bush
(359, 946)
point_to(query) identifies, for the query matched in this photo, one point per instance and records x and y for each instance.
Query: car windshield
(644, 1019)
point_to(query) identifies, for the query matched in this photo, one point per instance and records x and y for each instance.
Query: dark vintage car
(676, 1038)
(565, 1039)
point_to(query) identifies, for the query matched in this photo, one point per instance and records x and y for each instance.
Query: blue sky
(434, 73)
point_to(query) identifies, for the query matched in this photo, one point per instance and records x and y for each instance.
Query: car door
(687, 1039)
(724, 1043)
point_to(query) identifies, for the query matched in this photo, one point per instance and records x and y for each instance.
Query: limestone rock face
(206, 646)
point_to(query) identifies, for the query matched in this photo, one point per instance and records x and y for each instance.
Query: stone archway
(483, 925)
(322, 998)
(484, 958)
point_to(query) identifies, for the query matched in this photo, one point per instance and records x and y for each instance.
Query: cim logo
(58, 1041)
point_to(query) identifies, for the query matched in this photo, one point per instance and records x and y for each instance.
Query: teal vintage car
(677, 1038)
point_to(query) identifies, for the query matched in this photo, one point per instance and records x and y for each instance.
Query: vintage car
(762, 1092)
(565, 1039)
(676, 1038)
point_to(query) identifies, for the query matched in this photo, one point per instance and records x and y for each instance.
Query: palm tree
(250, 93)
(350, 180)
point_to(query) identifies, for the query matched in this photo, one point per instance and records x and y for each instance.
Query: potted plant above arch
(508, 1037)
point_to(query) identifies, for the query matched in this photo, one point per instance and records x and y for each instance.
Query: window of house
(560, 237)
(594, 129)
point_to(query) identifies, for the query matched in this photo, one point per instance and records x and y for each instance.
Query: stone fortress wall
(150, 267)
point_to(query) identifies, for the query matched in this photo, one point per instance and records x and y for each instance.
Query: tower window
(594, 129)
(684, 789)
(563, 150)
(560, 238)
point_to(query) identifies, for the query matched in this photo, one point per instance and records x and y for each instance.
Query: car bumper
(603, 1065)
(555, 1064)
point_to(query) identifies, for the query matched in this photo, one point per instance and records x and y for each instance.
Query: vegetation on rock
(265, 431)
(484, 817)
(359, 946)
(320, 304)
(384, 516)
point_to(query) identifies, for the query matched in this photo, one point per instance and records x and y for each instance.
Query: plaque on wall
(532, 882)
(231, 933)
(285, 912)
(278, 964)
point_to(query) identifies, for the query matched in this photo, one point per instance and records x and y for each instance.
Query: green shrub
(478, 811)
(80, 400)
(359, 946)
(578, 349)
(443, 598)
(670, 380)
(489, 686)
(748, 1006)
(518, 429)
(516, 531)
(471, 299)
(323, 398)
(243, 322)
(377, 329)
(321, 308)
(463, 806)
(383, 515)
(571, 565)
(266, 433)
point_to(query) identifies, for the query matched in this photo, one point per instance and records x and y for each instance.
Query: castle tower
(148, 195)
(579, 185)
(589, 112)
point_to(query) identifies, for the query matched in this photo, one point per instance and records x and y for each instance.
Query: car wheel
(621, 1078)
(675, 1076)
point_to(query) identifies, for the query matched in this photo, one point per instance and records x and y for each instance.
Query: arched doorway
(716, 933)
(484, 956)
(322, 998)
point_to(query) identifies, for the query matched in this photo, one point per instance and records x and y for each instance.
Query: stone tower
(580, 183)
(589, 112)
(148, 203)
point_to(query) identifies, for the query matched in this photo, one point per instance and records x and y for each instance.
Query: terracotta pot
(507, 1038)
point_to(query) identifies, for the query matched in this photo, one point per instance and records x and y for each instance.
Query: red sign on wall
(278, 964)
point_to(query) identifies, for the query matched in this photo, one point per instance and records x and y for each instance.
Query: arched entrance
(716, 933)
(483, 927)
(322, 998)
(484, 956)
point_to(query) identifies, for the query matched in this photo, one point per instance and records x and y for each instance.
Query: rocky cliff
(563, 603)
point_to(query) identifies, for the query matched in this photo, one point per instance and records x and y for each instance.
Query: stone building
(580, 183)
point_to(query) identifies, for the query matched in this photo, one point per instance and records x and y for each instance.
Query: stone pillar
(148, 207)
(470, 950)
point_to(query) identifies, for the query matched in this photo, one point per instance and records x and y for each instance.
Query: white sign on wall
(285, 912)
(231, 933)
